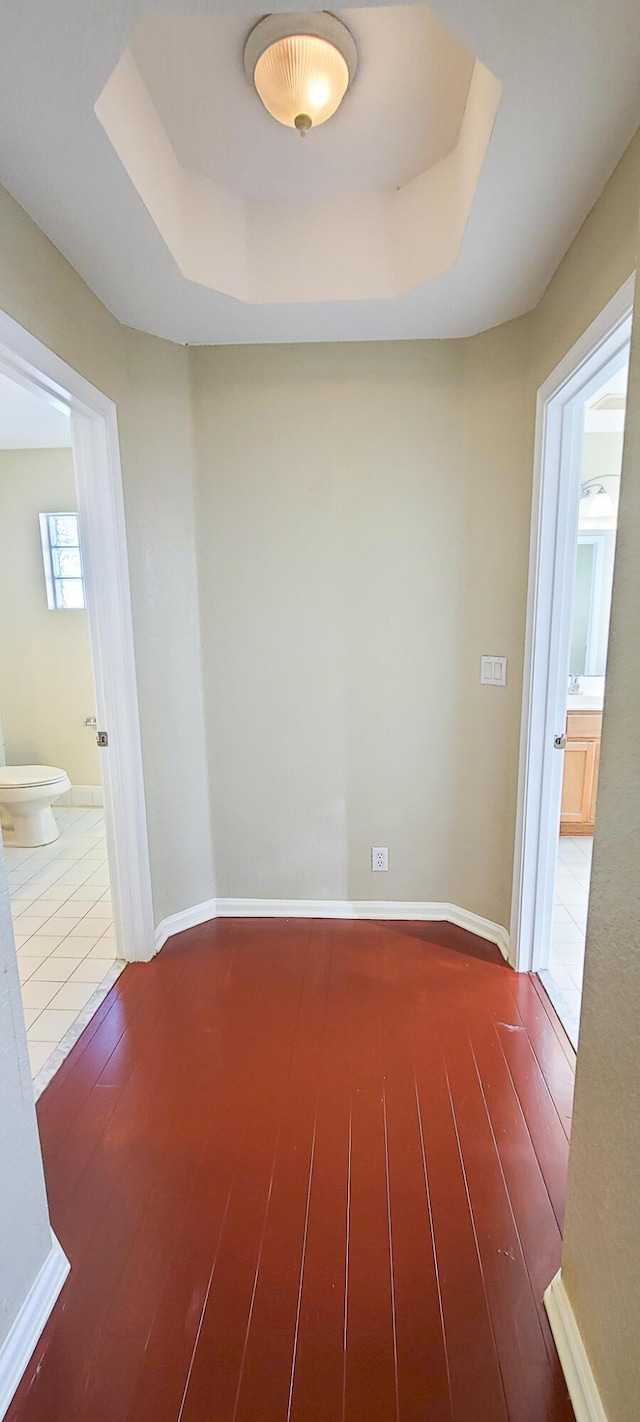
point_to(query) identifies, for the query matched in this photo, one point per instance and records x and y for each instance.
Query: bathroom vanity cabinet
(580, 780)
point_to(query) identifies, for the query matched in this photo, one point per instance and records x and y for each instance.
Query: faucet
(575, 688)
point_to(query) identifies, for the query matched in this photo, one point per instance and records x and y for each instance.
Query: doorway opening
(578, 463)
(73, 816)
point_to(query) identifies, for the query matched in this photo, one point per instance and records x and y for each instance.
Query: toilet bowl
(26, 792)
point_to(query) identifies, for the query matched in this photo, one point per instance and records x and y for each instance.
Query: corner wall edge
(29, 1322)
(578, 1373)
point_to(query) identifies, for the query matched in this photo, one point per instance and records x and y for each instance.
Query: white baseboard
(187, 918)
(390, 910)
(27, 1327)
(82, 797)
(583, 1390)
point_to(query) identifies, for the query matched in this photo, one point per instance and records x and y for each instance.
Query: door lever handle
(559, 742)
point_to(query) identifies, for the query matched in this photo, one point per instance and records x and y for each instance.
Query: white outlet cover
(493, 671)
(379, 859)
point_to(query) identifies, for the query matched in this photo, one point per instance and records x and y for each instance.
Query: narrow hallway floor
(308, 1170)
(563, 977)
(63, 924)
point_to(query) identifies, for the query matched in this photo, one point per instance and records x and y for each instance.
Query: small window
(62, 554)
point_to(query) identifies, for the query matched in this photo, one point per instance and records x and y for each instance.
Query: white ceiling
(375, 203)
(608, 421)
(29, 421)
(402, 114)
(570, 104)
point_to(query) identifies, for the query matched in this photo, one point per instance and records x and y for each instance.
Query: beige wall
(331, 526)
(368, 510)
(601, 1258)
(360, 539)
(25, 1235)
(363, 522)
(46, 677)
(499, 425)
(600, 259)
(148, 380)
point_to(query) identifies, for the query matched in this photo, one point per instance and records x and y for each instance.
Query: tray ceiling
(376, 201)
(569, 105)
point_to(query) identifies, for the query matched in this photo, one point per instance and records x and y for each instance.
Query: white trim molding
(83, 797)
(96, 457)
(186, 918)
(372, 909)
(554, 521)
(583, 1389)
(30, 1321)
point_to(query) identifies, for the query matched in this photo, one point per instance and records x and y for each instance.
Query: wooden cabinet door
(579, 786)
(594, 787)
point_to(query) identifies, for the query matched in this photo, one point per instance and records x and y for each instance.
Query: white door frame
(554, 520)
(96, 455)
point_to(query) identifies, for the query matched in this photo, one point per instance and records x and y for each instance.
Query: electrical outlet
(379, 859)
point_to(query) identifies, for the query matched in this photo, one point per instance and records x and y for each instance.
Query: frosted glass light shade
(301, 66)
(301, 75)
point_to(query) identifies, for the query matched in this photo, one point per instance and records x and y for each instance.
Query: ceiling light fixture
(302, 66)
(610, 402)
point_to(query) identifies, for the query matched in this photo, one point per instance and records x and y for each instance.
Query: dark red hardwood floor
(308, 1172)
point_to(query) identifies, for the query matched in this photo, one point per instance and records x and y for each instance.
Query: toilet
(26, 792)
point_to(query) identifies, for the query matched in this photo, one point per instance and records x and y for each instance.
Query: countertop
(584, 703)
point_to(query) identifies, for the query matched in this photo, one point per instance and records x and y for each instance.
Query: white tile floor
(61, 906)
(563, 977)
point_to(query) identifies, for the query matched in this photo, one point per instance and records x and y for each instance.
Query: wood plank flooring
(308, 1172)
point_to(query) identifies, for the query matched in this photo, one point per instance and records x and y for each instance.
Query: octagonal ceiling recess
(570, 105)
(373, 204)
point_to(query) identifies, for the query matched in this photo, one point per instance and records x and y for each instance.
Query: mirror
(592, 602)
